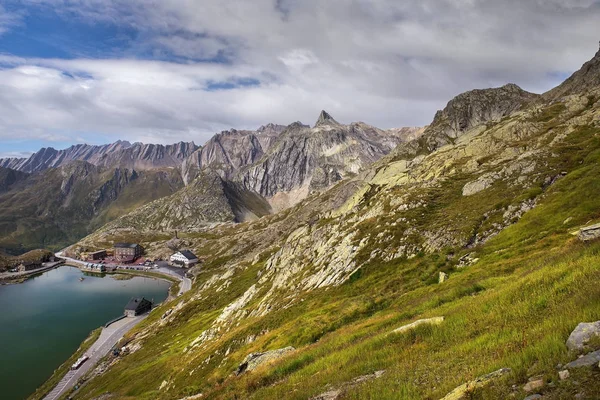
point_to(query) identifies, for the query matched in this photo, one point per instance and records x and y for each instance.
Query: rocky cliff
(304, 159)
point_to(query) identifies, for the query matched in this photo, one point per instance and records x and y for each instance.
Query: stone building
(127, 252)
(137, 306)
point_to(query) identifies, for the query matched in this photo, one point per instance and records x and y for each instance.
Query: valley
(473, 222)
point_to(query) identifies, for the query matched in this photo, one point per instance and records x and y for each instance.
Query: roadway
(109, 337)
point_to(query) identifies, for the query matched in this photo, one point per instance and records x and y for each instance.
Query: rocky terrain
(449, 268)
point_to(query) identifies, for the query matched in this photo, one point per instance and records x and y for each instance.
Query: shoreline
(111, 333)
(69, 379)
(20, 277)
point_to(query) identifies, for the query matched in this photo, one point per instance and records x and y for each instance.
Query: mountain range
(237, 175)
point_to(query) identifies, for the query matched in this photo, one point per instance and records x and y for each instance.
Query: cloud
(220, 64)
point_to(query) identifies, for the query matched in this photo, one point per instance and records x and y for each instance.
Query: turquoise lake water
(45, 319)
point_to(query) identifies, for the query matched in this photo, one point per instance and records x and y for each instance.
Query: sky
(163, 71)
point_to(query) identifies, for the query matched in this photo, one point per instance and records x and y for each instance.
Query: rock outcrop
(254, 360)
(588, 233)
(306, 159)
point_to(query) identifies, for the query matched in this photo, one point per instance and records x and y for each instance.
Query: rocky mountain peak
(325, 119)
(271, 128)
(585, 79)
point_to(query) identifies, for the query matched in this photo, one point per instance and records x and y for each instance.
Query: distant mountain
(56, 206)
(305, 159)
(241, 175)
(10, 177)
(228, 151)
(120, 154)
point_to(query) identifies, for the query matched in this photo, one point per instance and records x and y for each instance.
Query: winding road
(108, 338)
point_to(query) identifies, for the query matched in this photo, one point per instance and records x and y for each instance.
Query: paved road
(186, 283)
(108, 338)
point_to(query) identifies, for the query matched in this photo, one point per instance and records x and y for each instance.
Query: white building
(184, 258)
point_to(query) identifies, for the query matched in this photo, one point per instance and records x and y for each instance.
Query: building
(127, 252)
(28, 266)
(137, 306)
(184, 258)
(95, 267)
(97, 255)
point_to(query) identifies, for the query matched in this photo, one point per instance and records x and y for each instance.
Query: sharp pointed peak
(325, 119)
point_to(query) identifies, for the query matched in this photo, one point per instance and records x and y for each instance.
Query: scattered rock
(413, 325)
(465, 389)
(466, 260)
(253, 360)
(564, 374)
(443, 277)
(583, 333)
(534, 384)
(586, 361)
(335, 394)
(589, 233)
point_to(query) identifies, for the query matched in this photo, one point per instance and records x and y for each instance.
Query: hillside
(473, 221)
(54, 207)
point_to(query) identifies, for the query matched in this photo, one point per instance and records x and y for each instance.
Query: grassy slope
(514, 308)
(38, 215)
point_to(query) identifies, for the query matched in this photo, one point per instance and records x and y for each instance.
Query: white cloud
(386, 62)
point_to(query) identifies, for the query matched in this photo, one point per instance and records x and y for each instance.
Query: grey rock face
(325, 119)
(315, 158)
(226, 153)
(473, 108)
(582, 334)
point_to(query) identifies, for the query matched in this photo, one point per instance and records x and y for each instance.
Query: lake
(44, 320)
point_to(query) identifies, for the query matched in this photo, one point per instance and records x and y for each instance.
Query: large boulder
(253, 360)
(589, 233)
(582, 334)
